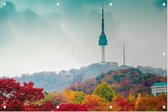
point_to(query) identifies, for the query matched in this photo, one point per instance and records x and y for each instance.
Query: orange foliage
(96, 103)
(152, 103)
(137, 100)
(69, 94)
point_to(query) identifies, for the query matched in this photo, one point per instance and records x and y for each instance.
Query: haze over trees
(52, 80)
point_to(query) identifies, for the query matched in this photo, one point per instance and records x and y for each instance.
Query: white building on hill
(158, 88)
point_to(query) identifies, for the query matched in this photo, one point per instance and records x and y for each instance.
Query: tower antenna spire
(102, 19)
(124, 54)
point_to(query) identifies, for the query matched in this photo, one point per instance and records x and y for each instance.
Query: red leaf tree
(20, 97)
(121, 104)
(72, 107)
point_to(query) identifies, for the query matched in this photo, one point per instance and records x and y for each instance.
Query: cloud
(6, 14)
(26, 24)
(9, 15)
(7, 11)
(38, 35)
(159, 4)
(73, 7)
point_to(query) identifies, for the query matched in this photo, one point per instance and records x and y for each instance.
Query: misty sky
(38, 35)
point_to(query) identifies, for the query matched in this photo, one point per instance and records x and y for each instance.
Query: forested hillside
(125, 82)
(58, 81)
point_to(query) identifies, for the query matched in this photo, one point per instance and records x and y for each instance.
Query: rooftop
(160, 84)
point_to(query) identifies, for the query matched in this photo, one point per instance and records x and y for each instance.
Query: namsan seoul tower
(102, 39)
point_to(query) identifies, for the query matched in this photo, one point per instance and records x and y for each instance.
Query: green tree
(54, 97)
(104, 91)
(79, 96)
(131, 98)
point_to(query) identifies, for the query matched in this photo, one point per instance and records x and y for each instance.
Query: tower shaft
(103, 54)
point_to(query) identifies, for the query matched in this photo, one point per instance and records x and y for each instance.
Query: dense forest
(97, 87)
(50, 80)
(16, 97)
(122, 81)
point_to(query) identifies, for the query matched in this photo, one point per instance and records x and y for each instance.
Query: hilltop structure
(123, 54)
(102, 39)
(158, 88)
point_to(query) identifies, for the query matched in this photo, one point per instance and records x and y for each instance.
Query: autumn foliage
(152, 103)
(19, 97)
(120, 103)
(72, 107)
(26, 97)
(96, 103)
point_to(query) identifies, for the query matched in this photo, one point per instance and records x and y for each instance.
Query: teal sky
(38, 35)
